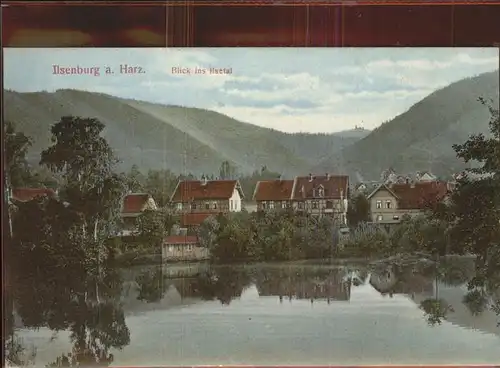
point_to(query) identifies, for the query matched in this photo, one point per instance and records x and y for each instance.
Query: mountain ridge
(421, 138)
(181, 139)
(194, 140)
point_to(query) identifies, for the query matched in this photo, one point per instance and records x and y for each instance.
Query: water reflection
(426, 282)
(88, 308)
(304, 283)
(95, 310)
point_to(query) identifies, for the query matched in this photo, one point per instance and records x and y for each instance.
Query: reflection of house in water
(389, 281)
(184, 270)
(329, 287)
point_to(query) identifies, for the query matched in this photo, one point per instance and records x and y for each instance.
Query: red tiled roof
(28, 194)
(213, 189)
(181, 239)
(193, 219)
(333, 185)
(133, 203)
(273, 190)
(420, 195)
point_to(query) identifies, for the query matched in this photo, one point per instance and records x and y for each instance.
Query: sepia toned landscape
(344, 213)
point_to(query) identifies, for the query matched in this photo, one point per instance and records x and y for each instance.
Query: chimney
(203, 180)
(310, 177)
(279, 177)
(407, 179)
(327, 176)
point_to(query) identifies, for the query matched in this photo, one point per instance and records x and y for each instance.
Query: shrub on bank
(274, 236)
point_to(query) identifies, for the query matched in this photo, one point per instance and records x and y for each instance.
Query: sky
(288, 89)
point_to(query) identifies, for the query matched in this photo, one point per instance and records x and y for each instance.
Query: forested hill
(184, 140)
(422, 137)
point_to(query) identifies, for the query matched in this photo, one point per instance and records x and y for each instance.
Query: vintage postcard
(251, 206)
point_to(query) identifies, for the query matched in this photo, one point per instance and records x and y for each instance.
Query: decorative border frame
(285, 23)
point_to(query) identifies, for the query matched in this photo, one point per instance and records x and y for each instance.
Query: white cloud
(283, 88)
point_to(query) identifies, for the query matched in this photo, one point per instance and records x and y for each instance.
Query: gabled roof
(417, 195)
(273, 190)
(181, 239)
(382, 187)
(420, 195)
(370, 185)
(28, 194)
(334, 186)
(135, 202)
(189, 190)
(193, 219)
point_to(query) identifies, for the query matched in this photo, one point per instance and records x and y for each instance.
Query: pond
(260, 314)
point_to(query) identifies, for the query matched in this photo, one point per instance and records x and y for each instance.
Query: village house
(183, 248)
(273, 194)
(195, 200)
(425, 176)
(390, 202)
(317, 195)
(366, 187)
(322, 195)
(134, 205)
(28, 194)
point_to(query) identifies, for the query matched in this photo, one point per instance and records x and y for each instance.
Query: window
(329, 204)
(271, 205)
(380, 218)
(314, 205)
(214, 205)
(170, 248)
(301, 205)
(395, 217)
(207, 206)
(379, 204)
(264, 205)
(193, 206)
(321, 192)
(388, 204)
(284, 204)
(231, 204)
(179, 206)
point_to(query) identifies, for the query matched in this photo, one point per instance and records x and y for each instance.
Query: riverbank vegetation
(273, 236)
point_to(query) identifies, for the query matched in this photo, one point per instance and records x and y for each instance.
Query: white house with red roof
(196, 200)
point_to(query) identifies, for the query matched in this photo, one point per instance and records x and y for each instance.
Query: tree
(93, 189)
(358, 211)
(475, 204)
(135, 180)
(227, 171)
(160, 184)
(152, 225)
(16, 148)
